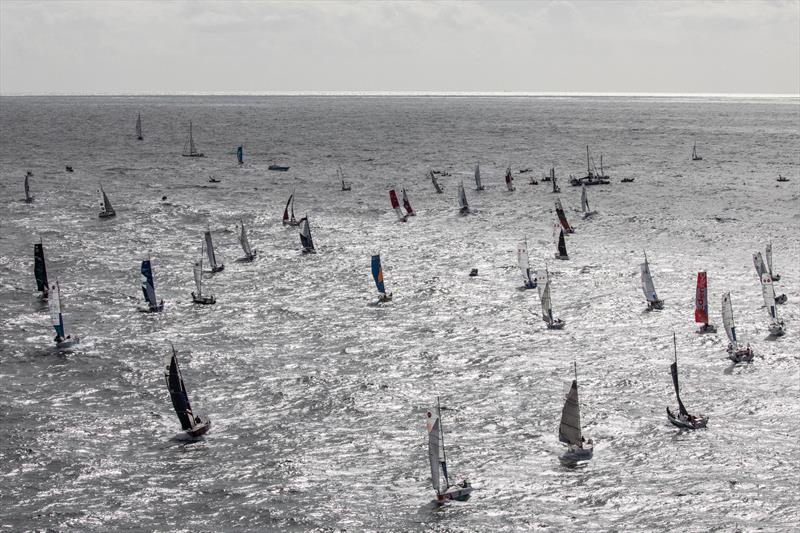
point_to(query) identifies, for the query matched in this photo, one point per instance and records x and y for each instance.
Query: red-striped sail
(701, 299)
(393, 198)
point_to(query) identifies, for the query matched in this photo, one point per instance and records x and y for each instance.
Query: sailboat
(556, 188)
(435, 182)
(198, 297)
(768, 256)
(701, 304)
(562, 218)
(106, 211)
(561, 243)
(240, 154)
(61, 339)
(28, 195)
(547, 306)
(649, 289)
(40, 269)
(736, 352)
(478, 186)
(593, 177)
(189, 149)
(775, 324)
(407, 204)
(345, 185)
(463, 204)
(212, 257)
(683, 419)
(585, 203)
(377, 275)
(440, 479)
(305, 236)
(249, 253)
(569, 430)
(509, 179)
(193, 425)
(695, 157)
(524, 267)
(149, 288)
(762, 268)
(139, 136)
(550, 175)
(396, 206)
(287, 220)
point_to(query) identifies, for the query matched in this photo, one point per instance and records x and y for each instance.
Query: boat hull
(575, 454)
(278, 168)
(156, 309)
(658, 304)
(556, 324)
(219, 268)
(776, 330)
(199, 430)
(707, 328)
(459, 494)
(106, 215)
(741, 356)
(694, 422)
(69, 342)
(383, 298)
(782, 299)
(562, 257)
(203, 300)
(193, 155)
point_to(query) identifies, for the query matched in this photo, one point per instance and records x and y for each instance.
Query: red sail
(701, 299)
(393, 198)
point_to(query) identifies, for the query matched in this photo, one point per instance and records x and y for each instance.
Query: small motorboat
(626, 180)
(278, 168)
(68, 168)
(212, 179)
(782, 179)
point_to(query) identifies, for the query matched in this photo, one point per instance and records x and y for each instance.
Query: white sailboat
(440, 479)
(569, 430)
(106, 211)
(189, 148)
(585, 203)
(543, 284)
(768, 256)
(212, 257)
(249, 253)
(345, 185)
(737, 352)
(198, 297)
(528, 278)
(775, 324)
(649, 289)
(478, 185)
(463, 204)
(61, 339)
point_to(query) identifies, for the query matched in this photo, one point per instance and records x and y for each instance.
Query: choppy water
(316, 396)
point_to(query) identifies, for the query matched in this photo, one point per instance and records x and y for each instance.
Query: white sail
(584, 200)
(647, 282)
(769, 297)
(543, 278)
(462, 198)
(569, 431)
(244, 242)
(435, 455)
(768, 256)
(198, 277)
(522, 259)
(478, 177)
(727, 320)
(547, 307)
(758, 262)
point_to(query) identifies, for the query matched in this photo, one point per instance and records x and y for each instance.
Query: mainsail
(758, 262)
(240, 155)
(407, 204)
(377, 273)
(524, 266)
(177, 391)
(768, 256)
(305, 235)
(701, 299)
(768, 291)
(56, 318)
(436, 453)
(562, 218)
(673, 368)
(28, 197)
(584, 200)
(243, 240)
(569, 431)
(148, 285)
(289, 207)
(396, 205)
(463, 205)
(435, 182)
(105, 205)
(561, 243)
(198, 277)
(509, 179)
(647, 282)
(212, 257)
(547, 306)
(40, 269)
(139, 127)
(478, 185)
(727, 320)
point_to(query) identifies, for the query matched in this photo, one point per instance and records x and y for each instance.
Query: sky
(182, 46)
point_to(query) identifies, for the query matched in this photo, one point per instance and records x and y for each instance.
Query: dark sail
(674, 369)
(177, 390)
(305, 235)
(562, 245)
(39, 268)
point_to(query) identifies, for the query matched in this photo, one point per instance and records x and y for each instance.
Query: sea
(317, 395)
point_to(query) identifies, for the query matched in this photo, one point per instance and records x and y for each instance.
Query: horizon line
(546, 94)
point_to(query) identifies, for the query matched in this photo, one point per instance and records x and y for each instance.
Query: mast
(588, 168)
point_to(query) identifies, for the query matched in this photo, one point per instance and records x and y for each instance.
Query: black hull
(696, 422)
(106, 215)
(657, 305)
(199, 431)
(278, 168)
(193, 155)
(218, 269)
(556, 324)
(204, 300)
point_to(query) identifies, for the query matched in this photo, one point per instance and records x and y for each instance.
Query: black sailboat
(40, 269)
(683, 419)
(28, 195)
(194, 425)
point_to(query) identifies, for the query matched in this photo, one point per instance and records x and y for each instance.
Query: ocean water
(317, 395)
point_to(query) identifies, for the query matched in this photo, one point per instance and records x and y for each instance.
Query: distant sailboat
(547, 305)
(189, 149)
(40, 269)
(562, 218)
(28, 195)
(305, 236)
(569, 430)
(463, 204)
(287, 220)
(683, 419)
(106, 211)
(194, 425)
(212, 257)
(509, 179)
(61, 339)
(478, 186)
(396, 206)
(407, 204)
(701, 304)
(435, 182)
(550, 174)
(593, 177)
(695, 157)
(775, 324)
(345, 185)
(377, 275)
(240, 155)
(139, 136)
(585, 203)
(198, 297)
(768, 256)
(149, 288)
(737, 352)
(445, 489)
(528, 278)
(561, 243)
(649, 288)
(556, 188)
(249, 253)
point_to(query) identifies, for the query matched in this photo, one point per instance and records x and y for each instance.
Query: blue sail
(240, 155)
(377, 273)
(148, 286)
